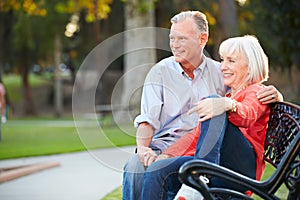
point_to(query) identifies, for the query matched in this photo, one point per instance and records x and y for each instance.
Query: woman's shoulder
(255, 87)
(250, 90)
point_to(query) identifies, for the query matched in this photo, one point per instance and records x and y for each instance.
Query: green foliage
(95, 9)
(277, 23)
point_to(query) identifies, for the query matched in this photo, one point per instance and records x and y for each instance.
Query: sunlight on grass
(33, 138)
(282, 192)
(116, 194)
(14, 80)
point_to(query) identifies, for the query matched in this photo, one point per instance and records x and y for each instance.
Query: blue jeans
(133, 177)
(161, 179)
(220, 142)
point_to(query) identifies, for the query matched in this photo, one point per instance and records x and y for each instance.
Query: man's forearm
(144, 135)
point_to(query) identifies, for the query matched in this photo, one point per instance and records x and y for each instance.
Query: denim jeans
(133, 176)
(220, 142)
(133, 179)
(161, 179)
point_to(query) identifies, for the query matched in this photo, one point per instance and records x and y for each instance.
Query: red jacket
(252, 119)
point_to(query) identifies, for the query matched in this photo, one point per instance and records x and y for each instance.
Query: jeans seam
(163, 185)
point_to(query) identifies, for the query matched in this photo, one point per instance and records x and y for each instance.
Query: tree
(23, 40)
(138, 14)
(49, 18)
(277, 22)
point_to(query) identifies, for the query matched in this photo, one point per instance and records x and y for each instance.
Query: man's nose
(175, 43)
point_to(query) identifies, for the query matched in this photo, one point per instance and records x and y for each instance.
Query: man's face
(185, 43)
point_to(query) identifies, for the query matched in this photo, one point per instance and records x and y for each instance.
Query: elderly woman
(232, 127)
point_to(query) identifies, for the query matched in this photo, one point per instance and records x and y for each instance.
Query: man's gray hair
(198, 17)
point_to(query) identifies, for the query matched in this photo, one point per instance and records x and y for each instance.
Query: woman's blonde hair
(250, 47)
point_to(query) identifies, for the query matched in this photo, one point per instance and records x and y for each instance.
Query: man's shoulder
(212, 62)
(165, 63)
(169, 61)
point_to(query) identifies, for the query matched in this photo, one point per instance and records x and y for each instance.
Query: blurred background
(44, 42)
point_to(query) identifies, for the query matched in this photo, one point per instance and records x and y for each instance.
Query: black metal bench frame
(281, 151)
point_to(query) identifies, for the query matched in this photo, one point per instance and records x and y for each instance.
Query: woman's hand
(211, 107)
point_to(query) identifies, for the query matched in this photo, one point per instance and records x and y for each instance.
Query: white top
(169, 93)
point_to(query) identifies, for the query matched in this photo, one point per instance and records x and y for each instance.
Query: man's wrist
(143, 124)
(163, 156)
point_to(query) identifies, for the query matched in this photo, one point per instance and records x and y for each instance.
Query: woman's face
(235, 70)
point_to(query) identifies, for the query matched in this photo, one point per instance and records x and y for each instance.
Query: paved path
(80, 176)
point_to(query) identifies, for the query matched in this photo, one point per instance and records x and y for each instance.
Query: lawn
(21, 138)
(13, 84)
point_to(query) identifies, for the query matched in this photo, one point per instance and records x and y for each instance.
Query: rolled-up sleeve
(152, 99)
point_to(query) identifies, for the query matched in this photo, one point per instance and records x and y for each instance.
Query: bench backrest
(282, 147)
(283, 128)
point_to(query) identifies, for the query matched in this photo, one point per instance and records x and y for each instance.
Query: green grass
(38, 137)
(116, 194)
(13, 84)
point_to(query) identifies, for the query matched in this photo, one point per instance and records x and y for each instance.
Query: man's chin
(179, 59)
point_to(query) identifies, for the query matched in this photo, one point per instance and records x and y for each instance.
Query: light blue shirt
(169, 93)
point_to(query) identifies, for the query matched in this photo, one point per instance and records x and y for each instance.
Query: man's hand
(162, 157)
(269, 94)
(146, 155)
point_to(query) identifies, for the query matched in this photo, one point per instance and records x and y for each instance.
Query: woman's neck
(234, 91)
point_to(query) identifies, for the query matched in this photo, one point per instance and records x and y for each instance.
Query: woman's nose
(222, 67)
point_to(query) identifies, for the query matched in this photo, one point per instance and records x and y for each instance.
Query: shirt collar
(198, 70)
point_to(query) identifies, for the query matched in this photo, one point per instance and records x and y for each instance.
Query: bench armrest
(190, 171)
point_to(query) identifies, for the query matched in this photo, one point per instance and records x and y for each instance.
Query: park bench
(281, 151)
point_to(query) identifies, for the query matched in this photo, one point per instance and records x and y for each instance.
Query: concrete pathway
(87, 175)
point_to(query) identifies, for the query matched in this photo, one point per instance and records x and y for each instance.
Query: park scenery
(73, 73)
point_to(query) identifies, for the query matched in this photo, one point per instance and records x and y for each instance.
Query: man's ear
(203, 39)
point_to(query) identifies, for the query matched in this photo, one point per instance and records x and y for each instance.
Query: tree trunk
(27, 91)
(137, 62)
(226, 22)
(58, 87)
